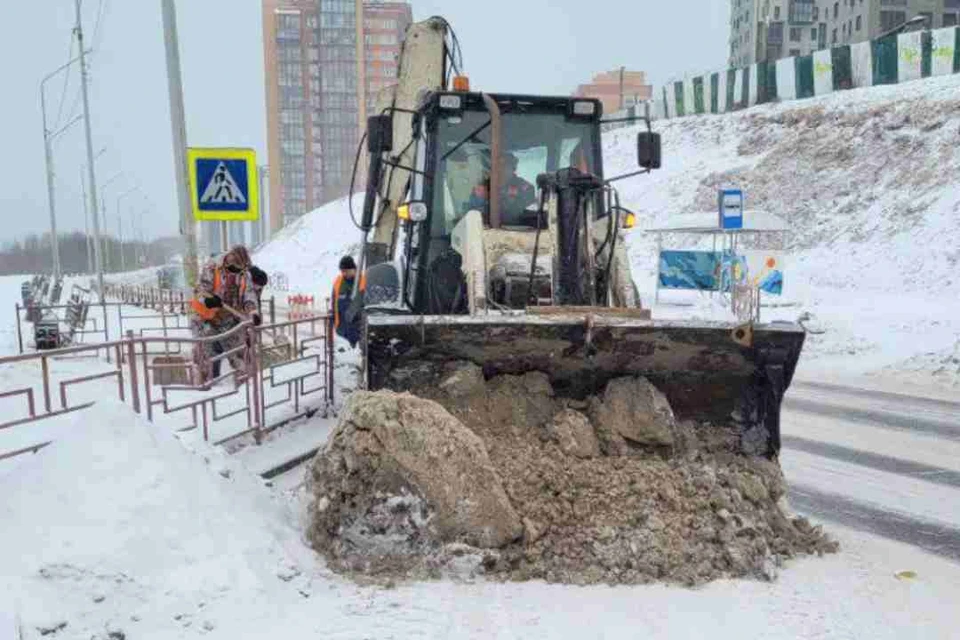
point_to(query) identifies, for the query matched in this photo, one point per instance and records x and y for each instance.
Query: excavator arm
(422, 69)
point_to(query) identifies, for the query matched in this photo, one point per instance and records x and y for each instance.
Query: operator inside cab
(516, 194)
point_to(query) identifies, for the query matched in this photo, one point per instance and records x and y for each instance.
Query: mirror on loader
(379, 142)
(648, 149)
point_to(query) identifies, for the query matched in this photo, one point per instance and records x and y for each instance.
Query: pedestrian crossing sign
(223, 184)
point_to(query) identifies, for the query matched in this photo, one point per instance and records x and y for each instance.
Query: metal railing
(286, 373)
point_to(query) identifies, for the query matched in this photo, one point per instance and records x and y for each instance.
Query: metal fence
(286, 373)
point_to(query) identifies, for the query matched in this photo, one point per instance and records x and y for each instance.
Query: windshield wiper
(466, 139)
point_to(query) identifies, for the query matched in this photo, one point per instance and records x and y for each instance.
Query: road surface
(884, 463)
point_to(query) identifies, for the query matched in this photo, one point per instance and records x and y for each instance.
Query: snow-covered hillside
(867, 180)
(307, 252)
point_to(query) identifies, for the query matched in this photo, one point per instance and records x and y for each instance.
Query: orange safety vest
(336, 295)
(205, 312)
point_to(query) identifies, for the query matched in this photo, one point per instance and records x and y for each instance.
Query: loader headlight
(412, 212)
(629, 220)
(583, 108)
(450, 103)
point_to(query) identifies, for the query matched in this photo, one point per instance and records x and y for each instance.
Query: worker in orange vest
(225, 296)
(346, 322)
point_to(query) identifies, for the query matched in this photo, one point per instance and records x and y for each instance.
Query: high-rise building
(772, 29)
(617, 89)
(384, 24)
(317, 93)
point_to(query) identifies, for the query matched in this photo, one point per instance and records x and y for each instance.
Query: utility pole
(48, 137)
(48, 154)
(86, 222)
(179, 130)
(89, 136)
(621, 87)
(123, 265)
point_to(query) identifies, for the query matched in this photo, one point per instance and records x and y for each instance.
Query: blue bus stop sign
(731, 208)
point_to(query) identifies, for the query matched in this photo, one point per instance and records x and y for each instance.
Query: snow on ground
(118, 528)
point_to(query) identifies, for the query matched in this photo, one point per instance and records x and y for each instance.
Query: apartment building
(772, 29)
(617, 89)
(315, 54)
(384, 24)
(851, 21)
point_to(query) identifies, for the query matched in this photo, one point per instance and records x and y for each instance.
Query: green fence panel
(885, 60)
(773, 91)
(956, 52)
(745, 98)
(766, 81)
(731, 85)
(714, 90)
(678, 95)
(762, 82)
(804, 76)
(842, 67)
(926, 54)
(698, 95)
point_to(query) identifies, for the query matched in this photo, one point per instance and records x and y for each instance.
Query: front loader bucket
(711, 372)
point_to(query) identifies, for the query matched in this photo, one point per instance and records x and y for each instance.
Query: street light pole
(89, 136)
(48, 154)
(123, 265)
(103, 213)
(179, 130)
(86, 222)
(86, 214)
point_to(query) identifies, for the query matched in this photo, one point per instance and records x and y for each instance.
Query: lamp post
(179, 134)
(123, 264)
(89, 137)
(86, 213)
(48, 137)
(103, 213)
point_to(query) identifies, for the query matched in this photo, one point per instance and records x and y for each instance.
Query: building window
(794, 53)
(795, 34)
(834, 40)
(949, 19)
(776, 13)
(859, 22)
(928, 18)
(836, 9)
(802, 11)
(816, 12)
(813, 34)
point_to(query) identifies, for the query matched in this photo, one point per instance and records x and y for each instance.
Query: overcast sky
(529, 46)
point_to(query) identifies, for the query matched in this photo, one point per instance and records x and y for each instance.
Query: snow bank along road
(884, 463)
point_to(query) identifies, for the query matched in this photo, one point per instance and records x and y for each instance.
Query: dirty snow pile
(867, 182)
(503, 478)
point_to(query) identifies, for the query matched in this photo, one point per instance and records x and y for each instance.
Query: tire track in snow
(934, 538)
(933, 404)
(899, 466)
(875, 418)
